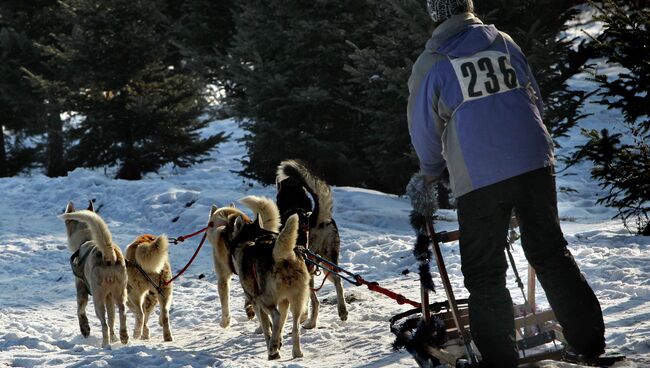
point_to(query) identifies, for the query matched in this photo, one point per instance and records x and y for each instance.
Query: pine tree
(622, 162)
(137, 109)
(286, 82)
(399, 32)
(36, 24)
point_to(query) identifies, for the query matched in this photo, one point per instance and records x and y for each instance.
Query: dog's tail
(286, 241)
(266, 209)
(152, 253)
(99, 232)
(319, 190)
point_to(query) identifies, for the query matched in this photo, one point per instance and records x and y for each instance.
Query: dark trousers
(484, 217)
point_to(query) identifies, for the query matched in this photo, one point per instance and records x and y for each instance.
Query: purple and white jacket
(475, 107)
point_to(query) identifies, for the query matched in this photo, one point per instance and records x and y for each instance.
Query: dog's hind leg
(120, 300)
(110, 312)
(82, 302)
(224, 289)
(296, 312)
(165, 302)
(138, 314)
(315, 306)
(265, 324)
(100, 310)
(278, 318)
(150, 301)
(340, 297)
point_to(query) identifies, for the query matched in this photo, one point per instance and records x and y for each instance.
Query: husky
(222, 258)
(294, 181)
(271, 272)
(148, 255)
(100, 270)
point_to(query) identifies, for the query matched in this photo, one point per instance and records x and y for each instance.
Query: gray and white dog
(100, 271)
(294, 181)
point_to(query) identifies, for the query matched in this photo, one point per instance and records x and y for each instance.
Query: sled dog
(294, 181)
(148, 255)
(223, 265)
(274, 277)
(100, 271)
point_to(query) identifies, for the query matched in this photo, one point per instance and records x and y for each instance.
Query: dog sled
(438, 333)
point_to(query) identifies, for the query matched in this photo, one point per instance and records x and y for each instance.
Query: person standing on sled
(475, 109)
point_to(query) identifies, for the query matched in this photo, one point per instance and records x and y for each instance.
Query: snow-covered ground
(38, 322)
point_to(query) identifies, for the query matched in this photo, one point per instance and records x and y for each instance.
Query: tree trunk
(3, 154)
(129, 169)
(54, 160)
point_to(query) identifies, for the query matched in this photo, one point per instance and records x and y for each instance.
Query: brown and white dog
(148, 255)
(294, 181)
(273, 275)
(100, 271)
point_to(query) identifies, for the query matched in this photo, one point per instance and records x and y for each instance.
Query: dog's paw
(297, 353)
(343, 313)
(250, 312)
(310, 324)
(124, 337)
(168, 337)
(113, 338)
(274, 356)
(83, 326)
(225, 322)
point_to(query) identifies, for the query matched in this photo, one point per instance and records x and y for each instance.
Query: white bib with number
(484, 74)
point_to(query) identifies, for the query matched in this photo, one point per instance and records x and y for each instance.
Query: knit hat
(441, 10)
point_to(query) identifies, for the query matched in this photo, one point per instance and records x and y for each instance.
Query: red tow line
(181, 239)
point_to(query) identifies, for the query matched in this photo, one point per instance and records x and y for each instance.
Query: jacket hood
(461, 35)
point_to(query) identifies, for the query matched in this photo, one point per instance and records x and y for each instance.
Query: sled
(438, 333)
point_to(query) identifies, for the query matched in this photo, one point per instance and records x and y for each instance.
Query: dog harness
(78, 262)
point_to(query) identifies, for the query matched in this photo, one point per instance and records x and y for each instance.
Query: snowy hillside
(38, 322)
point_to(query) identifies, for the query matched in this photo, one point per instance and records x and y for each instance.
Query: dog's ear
(70, 207)
(91, 206)
(239, 224)
(257, 223)
(232, 204)
(213, 209)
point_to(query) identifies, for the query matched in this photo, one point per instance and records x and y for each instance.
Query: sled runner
(438, 333)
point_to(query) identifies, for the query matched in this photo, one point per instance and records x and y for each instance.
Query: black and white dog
(318, 230)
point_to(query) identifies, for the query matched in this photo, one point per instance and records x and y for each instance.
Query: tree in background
(380, 71)
(136, 109)
(286, 82)
(622, 161)
(26, 27)
(19, 106)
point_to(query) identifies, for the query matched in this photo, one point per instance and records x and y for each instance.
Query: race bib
(484, 74)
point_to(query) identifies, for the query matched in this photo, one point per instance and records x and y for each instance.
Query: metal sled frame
(537, 333)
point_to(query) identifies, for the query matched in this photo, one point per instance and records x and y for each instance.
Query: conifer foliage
(287, 83)
(622, 160)
(137, 109)
(25, 111)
